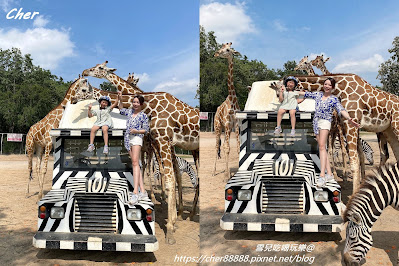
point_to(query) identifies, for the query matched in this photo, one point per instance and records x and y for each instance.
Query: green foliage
(27, 92)
(213, 74)
(108, 86)
(389, 70)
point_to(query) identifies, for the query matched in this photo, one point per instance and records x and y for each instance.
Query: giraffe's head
(319, 61)
(132, 80)
(303, 64)
(358, 238)
(99, 71)
(226, 51)
(80, 90)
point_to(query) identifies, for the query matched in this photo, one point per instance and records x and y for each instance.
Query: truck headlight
(133, 214)
(57, 213)
(320, 196)
(244, 194)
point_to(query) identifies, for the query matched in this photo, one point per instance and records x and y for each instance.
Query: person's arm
(90, 114)
(341, 110)
(281, 96)
(115, 104)
(145, 127)
(345, 114)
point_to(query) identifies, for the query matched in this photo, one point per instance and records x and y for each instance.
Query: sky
(356, 35)
(157, 40)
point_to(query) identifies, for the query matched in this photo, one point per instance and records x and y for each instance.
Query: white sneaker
(277, 130)
(143, 195)
(91, 148)
(292, 132)
(133, 200)
(321, 182)
(105, 149)
(329, 177)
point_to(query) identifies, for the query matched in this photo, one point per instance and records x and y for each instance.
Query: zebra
(184, 167)
(367, 150)
(363, 209)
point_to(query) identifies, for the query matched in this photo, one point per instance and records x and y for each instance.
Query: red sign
(14, 137)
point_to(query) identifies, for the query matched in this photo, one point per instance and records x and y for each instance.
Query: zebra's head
(358, 239)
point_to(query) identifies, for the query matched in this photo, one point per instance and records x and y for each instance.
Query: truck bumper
(87, 241)
(281, 223)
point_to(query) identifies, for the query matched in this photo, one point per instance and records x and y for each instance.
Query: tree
(389, 70)
(27, 92)
(108, 86)
(213, 74)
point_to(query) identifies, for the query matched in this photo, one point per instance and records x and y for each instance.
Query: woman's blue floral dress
(140, 121)
(323, 109)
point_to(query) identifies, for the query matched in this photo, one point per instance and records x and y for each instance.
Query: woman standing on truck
(325, 102)
(136, 127)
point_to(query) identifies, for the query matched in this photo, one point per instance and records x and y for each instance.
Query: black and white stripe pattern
(70, 188)
(367, 150)
(377, 193)
(184, 167)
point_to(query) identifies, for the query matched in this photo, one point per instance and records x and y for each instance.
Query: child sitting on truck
(289, 101)
(104, 121)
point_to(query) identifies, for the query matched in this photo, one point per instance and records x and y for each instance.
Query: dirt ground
(328, 247)
(18, 224)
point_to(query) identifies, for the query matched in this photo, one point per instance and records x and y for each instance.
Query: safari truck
(275, 188)
(87, 206)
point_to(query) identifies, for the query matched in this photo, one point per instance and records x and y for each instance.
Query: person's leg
(93, 133)
(136, 167)
(280, 114)
(105, 134)
(293, 119)
(322, 140)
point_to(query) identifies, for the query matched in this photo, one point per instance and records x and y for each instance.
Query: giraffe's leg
(30, 150)
(237, 136)
(352, 141)
(166, 155)
(361, 160)
(179, 180)
(226, 147)
(195, 201)
(218, 132)
(344, 153)
(392, 135)
(383, 145)
(39, 156)
(331, 139)
(42, 176)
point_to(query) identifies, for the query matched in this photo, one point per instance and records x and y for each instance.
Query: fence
(12, 143)
(206, 121)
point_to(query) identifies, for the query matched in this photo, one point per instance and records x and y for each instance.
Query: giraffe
(319, 62)
(132, 80)
(173, 123)
(225, 116)
(305, 65)
(375, 110)
(336, 125)
(38, 136)
(103, 71)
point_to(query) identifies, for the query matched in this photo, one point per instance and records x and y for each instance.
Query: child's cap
(294, 79)
(105, 98)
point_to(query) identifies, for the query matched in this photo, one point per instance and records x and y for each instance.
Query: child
(288, 99)
(104, 121)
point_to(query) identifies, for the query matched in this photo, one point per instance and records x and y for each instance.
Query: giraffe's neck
(230, 82)
(324, 70)
(122, 85)
(310, 71)
(70, 94)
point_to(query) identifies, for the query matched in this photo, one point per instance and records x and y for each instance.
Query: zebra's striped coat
(376, 193)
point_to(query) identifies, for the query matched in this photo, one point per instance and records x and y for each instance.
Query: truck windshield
(263, 139)
(75, 156)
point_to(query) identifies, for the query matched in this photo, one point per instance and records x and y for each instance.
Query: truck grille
(95, 213)
(282, 195)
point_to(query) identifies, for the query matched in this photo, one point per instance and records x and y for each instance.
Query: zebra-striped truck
(87, 206)
(275, 186)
